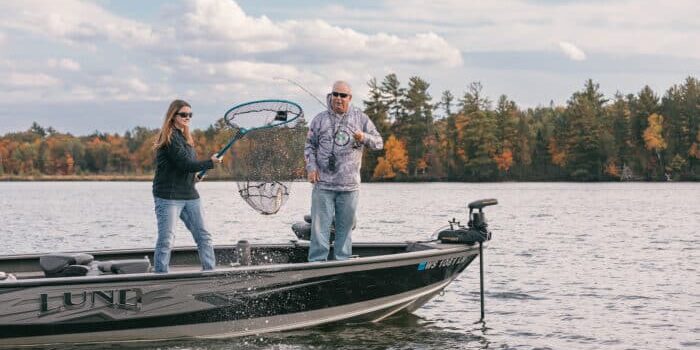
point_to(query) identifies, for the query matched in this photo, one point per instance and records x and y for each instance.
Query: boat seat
(125, 266)
(303, 229)
(7, 277)
(73, 271)
(63, 265)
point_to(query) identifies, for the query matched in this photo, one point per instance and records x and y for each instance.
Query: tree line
(44, 151)
(640, 136)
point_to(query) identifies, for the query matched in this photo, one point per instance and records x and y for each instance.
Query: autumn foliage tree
(654, 141)
(395, 160)
(653, 134)
(504, 160)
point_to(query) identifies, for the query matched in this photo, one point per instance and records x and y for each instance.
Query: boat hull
(227, 302)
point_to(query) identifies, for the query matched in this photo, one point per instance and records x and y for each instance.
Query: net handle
(241, 132)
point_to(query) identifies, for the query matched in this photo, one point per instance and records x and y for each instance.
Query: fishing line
(315, 98)
(303, 88)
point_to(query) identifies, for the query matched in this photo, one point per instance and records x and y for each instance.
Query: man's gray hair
(342, 82)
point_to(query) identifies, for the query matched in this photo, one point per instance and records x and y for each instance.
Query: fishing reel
(476, 229)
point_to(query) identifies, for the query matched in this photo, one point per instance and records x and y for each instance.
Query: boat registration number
(427, 265)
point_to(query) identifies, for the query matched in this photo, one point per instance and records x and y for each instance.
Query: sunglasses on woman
(184, 115)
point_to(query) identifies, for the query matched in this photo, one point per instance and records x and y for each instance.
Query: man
(333, 154)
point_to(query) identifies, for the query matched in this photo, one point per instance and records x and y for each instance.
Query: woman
(173, 187)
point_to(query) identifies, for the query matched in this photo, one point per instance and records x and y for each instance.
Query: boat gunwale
(437, 249)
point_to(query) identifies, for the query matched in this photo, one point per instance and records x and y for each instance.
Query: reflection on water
(571, 266)
(404, 331)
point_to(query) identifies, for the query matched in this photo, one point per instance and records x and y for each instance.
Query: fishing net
(271, 155)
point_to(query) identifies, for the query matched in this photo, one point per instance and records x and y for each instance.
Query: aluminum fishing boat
(112, 296)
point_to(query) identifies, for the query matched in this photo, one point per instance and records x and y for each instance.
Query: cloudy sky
(111, 65)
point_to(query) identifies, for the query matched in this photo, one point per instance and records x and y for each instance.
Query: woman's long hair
(166, 132)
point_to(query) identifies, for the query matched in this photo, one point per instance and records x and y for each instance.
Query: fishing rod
(303, 88)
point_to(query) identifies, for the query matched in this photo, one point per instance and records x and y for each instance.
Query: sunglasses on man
(184, 115)
(340, 94)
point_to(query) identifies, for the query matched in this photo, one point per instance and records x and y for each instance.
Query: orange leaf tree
(383, 170)
(504, 160)
(653, 137)
(395, 159)
(396, 154)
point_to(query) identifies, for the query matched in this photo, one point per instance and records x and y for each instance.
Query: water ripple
(571, 266)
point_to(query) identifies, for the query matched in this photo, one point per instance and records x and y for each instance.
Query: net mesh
(265, 197)
(266, 161)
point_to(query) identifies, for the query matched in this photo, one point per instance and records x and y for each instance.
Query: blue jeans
(190, 211)
(325, 206)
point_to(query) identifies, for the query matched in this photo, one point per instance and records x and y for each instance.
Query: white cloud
(83, 93)
(220, 30)
(234, 79)
(571, 51)
(613, 27)
(64, 63)
(73, 21)
(137, 85)
(222, 23)
(38, 87)
(123, 87)
(30, 80)
(328, 42)
(254, 71)
(234, 70)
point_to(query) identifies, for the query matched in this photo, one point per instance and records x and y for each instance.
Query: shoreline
(106, 177)
(97, 178)
(149, 178)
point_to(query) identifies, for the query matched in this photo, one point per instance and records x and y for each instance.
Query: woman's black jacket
(176, 165)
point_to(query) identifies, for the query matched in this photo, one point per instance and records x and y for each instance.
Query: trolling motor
(476, 230)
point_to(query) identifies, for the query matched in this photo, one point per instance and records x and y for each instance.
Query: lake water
(570, 266)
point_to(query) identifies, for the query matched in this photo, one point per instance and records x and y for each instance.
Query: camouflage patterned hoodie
(331, 133)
